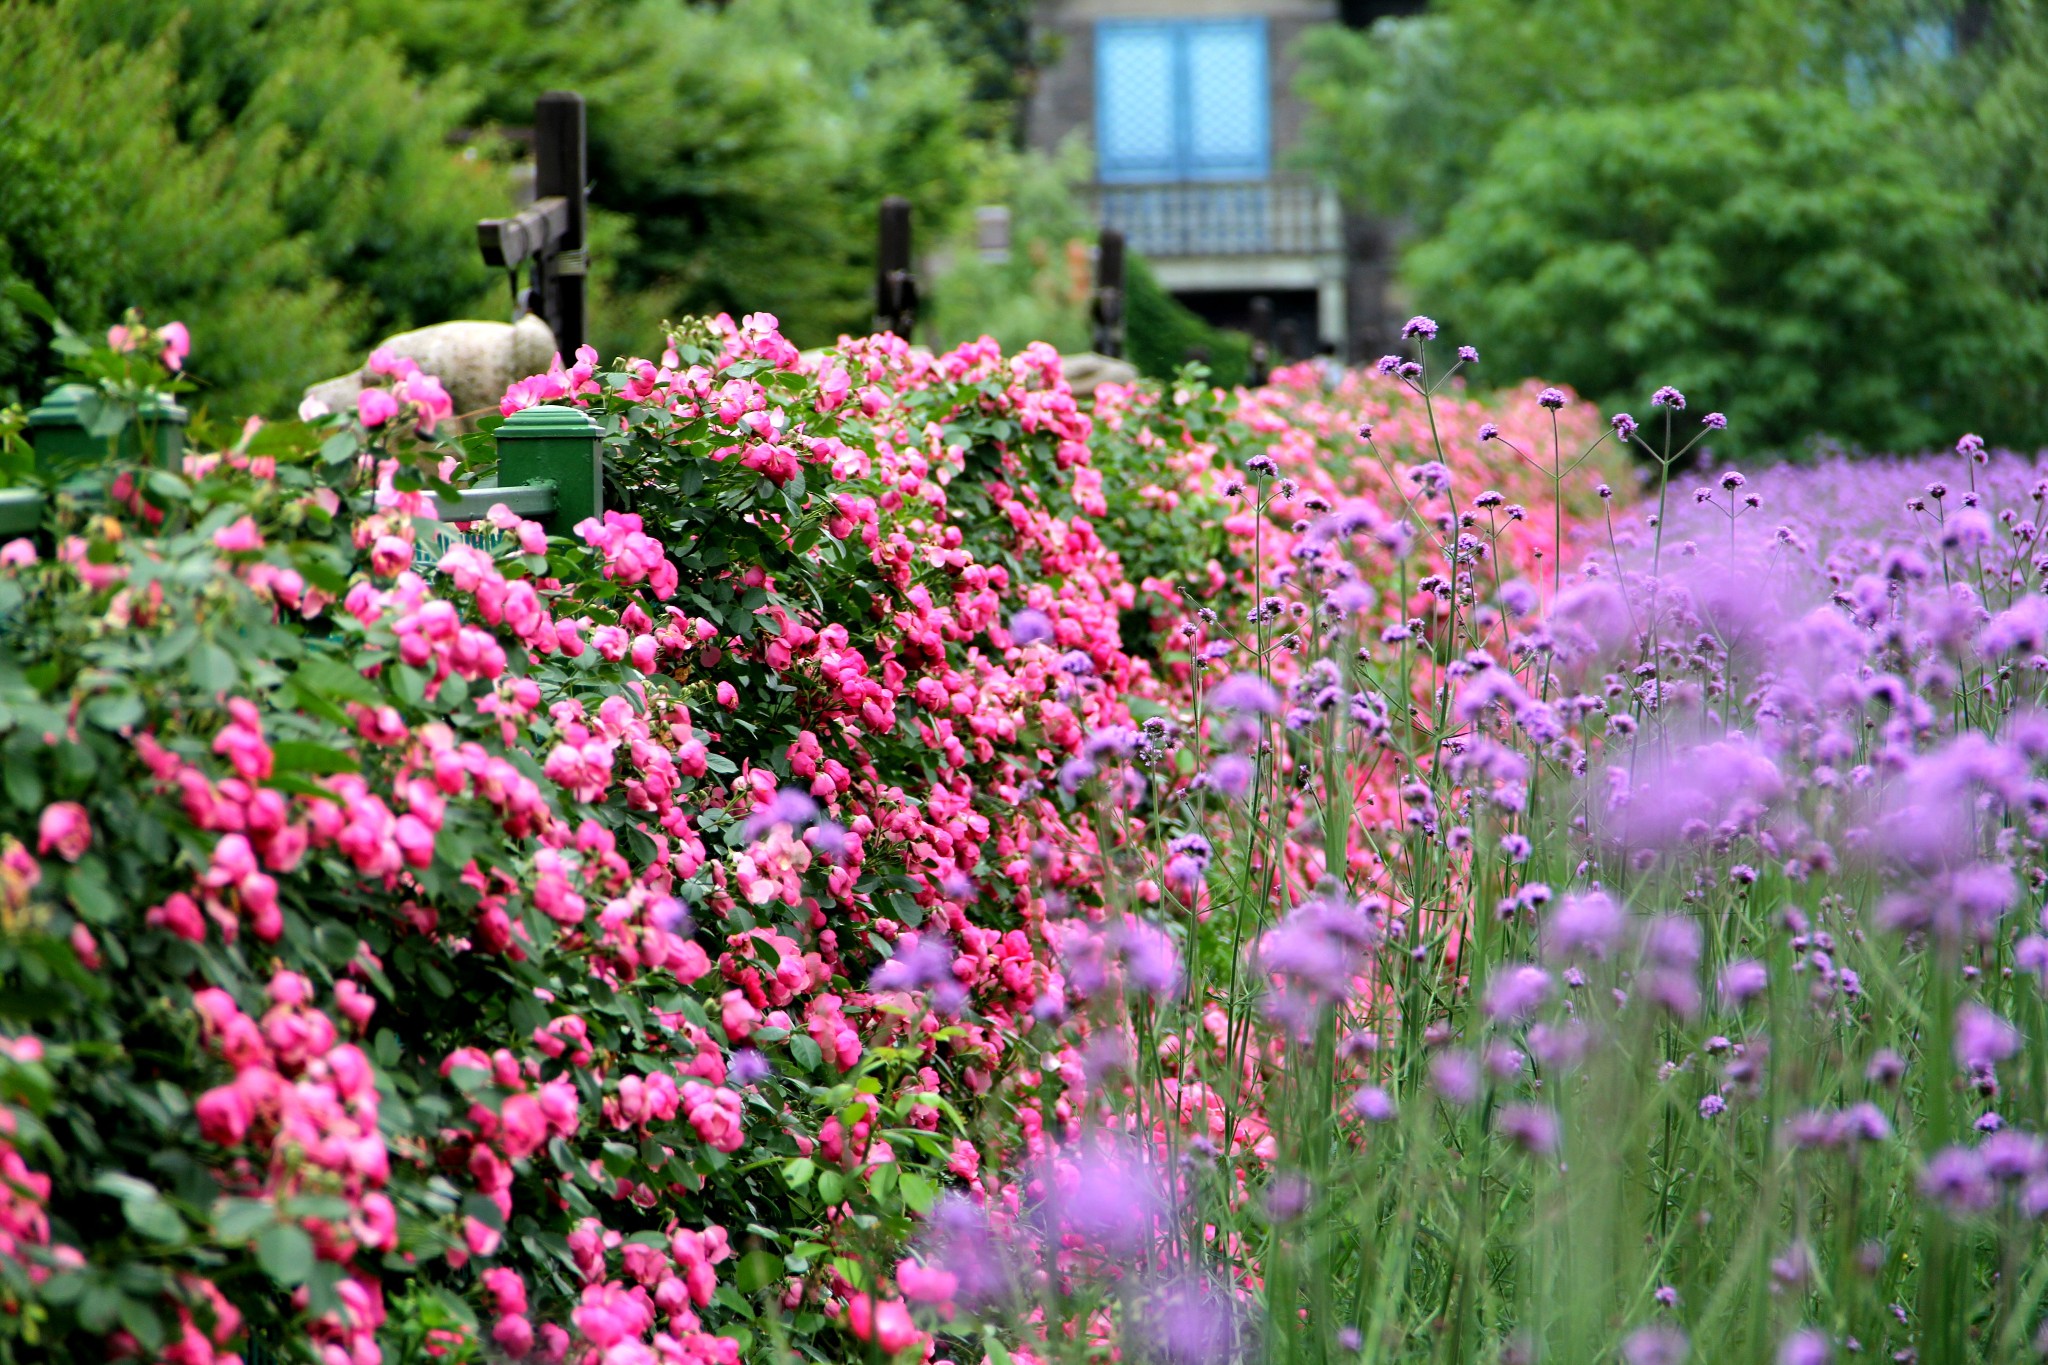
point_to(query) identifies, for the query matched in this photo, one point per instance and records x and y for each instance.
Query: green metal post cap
(549, 422)
(557, 444)
(59, 408)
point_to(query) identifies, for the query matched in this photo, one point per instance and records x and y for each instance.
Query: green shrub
(106, 207)
(1163, 334)
(243, 636)
(1786, 254)
(745, 147)
(249, 166)
(1407, 112)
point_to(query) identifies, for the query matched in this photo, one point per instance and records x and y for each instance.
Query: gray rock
(1087, 369)
(473, 360)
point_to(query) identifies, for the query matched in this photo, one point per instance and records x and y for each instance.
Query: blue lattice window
(1182, 100)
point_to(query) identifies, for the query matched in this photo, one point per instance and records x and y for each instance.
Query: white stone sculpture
(474, 361)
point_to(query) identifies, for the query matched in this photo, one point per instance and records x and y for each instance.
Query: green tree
(741, 150)
(253, 166)
(2000, 129)
(106, 207)
(1784, 256)
(990, 40)
(1407, 112)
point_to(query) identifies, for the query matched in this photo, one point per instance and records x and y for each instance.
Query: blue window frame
(1181, 100)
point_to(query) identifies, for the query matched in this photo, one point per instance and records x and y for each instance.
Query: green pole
(558, 445)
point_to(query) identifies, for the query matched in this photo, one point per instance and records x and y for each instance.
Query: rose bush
(614, 942)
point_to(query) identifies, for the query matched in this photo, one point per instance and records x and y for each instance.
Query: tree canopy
(1860, 251)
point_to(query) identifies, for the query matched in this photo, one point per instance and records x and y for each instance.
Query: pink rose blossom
(375, 407)
(65, 830)
(177, 344)
(238, 537)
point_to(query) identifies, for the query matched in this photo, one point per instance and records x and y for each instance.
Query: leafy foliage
(459, 807)
(1414, 117)
(1408, 112)
(1782, 249)
(251, 165)
(1164, 334)
(740, 151)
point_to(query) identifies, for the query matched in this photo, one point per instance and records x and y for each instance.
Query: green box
(57, 429)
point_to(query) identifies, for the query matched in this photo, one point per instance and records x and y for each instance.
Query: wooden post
(548, 236)
(1262, 340)
(895, 283)
(1109, 294)
(561, 164)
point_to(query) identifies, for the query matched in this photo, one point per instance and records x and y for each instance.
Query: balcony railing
(1224, 218)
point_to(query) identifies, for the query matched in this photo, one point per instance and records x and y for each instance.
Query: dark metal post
(1109, 294)
(1262, 340)
(895, 284)
(562, 168)
(1287, 341)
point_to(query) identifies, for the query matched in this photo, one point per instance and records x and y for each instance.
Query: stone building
(1188, 107)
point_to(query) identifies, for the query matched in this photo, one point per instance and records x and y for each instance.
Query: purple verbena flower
(924, 961)
(1982, 1039)
(1245, 694)
(1531, 1127)
(1742, 980)
(748, 1067)
(1805, 1347)
(1887, 1068)
(1517, 993)
(1029, 627)
(791, 806)
(827, 839)
(1075, 774)
(1192, 1322)
(1231, 774)
(1585, 924)
(1956, 1179)
(1455, 1075)
(1655, 1346)
(1373, 1104)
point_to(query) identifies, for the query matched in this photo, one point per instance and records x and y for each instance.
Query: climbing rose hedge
(607, 943)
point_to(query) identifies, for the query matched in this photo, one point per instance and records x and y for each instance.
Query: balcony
(1223, 218)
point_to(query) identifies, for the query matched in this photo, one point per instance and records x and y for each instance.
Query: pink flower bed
(609, 946)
